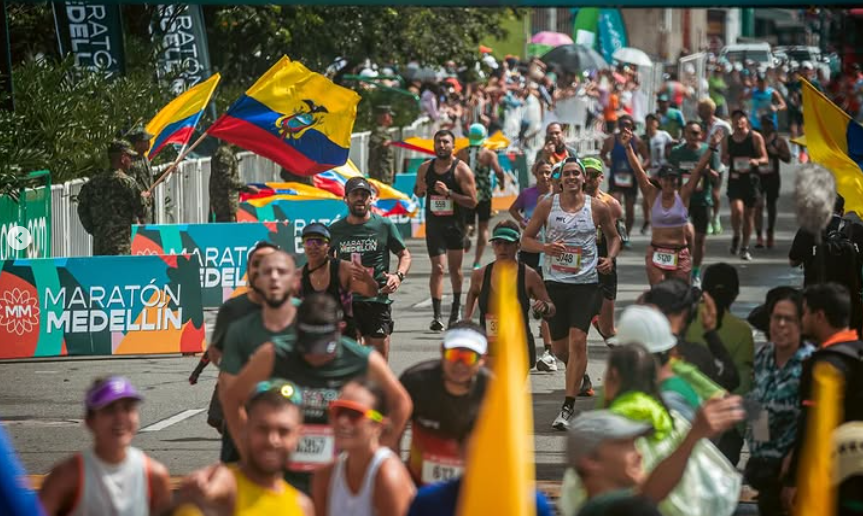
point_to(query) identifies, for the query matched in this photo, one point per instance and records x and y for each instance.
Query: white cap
(465, 338)
(645, 325)
(807, 65)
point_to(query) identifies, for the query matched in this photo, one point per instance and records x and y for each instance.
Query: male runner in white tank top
(113, 478)
(571, 270)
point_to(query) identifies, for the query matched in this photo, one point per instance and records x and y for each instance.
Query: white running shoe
(745, 255)
(561, 422)
(696, 282)
(547, 362)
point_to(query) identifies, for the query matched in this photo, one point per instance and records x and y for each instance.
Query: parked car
(800, 54)
(760, 53)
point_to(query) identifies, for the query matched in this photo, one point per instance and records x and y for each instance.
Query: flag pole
(176, 162)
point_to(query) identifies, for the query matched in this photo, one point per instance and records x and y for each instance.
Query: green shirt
(244, 337)
(374, 240)
(599, 505)
(679, 386)
(685, 159)
(736, 335)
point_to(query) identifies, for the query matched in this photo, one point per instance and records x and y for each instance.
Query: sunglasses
(353, 411)
(315, 241)
(465, 356)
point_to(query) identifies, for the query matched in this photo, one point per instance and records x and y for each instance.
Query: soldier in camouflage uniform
(141, 170)
(382, 156)
(225, 184)
(111, 202)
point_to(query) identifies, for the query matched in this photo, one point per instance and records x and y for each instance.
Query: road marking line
(428, 302)
(173, 420)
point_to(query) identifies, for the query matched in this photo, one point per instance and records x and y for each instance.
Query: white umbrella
(632, 56)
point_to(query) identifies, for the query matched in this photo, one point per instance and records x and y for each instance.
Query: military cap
(118, 146)
(139, 132)
(384, 110)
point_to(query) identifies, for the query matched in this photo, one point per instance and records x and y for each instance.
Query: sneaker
(759, 242)
(627, 244)
(561, 422)
(645, 227)
(476, 266)
(606, 339)
(696, 282)
(735, 245)
(717, 226)
(547, 362)
(710, 227)
(586, 388)
(745, 255)
(436, 325)
(453, 318)
(770, 241)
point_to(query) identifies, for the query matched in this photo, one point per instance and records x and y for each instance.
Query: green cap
(506, 234)
(139, 132)
(118, 146)
(593, 164)
(384, 110)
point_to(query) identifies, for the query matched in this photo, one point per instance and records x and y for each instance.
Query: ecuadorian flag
(835, 141)
(293, 116)
(176, 122)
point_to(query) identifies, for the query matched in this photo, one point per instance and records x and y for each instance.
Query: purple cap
(112, 389)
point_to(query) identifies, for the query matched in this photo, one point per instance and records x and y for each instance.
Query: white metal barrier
(185, 196)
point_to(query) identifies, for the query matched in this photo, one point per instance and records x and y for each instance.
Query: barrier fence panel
(31, 210)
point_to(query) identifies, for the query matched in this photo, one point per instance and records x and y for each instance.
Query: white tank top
(345, 503)
(578, 233)
(114, 489)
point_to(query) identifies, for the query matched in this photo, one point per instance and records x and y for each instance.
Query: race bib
(761, 427)
(741, 164)
(765, 169)
(317, 447)
(491, 327)
(665, 259)
(623, 179)
(437, 468)
(568, 261)
(441, 206)
(734, 175)
(687, 166)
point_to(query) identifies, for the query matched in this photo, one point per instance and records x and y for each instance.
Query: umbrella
(575, 58)
(632, 56)
(552, 39)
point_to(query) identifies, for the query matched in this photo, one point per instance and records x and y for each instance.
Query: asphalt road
(41, 400)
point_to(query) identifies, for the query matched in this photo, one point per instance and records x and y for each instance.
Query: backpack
(839, 257)
(852, 355)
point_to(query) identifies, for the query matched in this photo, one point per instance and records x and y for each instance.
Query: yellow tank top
(254, 500)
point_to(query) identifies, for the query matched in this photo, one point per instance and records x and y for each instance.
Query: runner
(319, 361)
(621, 184)
(334, 276)
(366, 478)
(276, 282)
(670, 119)
(659, 143)
(571, 275)
(114, 477)
(448, 185)
(482, 162)
(505, 241)
(668, 253)
(710, 123)
(685, 157)
(522, 210)
(765, 102)
(368, 239)
(795, 111)
(769, 179)
(254, 486)
(743, 152)
(604, 323)
(446, 394)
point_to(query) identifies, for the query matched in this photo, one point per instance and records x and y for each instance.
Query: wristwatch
(401, 275)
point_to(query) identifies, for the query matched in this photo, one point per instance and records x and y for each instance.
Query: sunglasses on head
(315, 241)
(353, 411)
(286, 389)
(465, 356)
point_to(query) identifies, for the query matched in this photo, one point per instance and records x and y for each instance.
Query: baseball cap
(118, 146)
(316, 228)
(357, 183)
(645, 325)
(318, 319)
(504, 233)
(465, 338)
(721, 281)
(807, 65)
(848, 451)
(662, 97)
(476, 134)
(110, 390)
(672, 296)
(668, 170)
(592, 164)
(590, 429)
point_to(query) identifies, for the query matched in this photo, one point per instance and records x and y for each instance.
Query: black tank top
(485, 294)
(334, 288)
(447, 178)
(744, 149)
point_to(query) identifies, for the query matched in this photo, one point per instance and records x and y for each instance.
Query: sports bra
(674, 217)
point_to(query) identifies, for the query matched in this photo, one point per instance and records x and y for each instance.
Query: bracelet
(400, 275)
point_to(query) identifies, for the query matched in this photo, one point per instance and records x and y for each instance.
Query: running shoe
(547, 362)
(561, 422)
(759, 242)
(735, 245)
(645, 227)
(606, 339)
(745, 255)
(476, 266)
(586, 388)
(436, 325)
(627, 245)
(696, 282)
(453, 318)
(717, 226)
(770, 241)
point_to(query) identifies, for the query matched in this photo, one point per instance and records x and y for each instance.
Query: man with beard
(744, 152)
(554, 134)
(275, 283)
(449, 186)
(254, 486)
(368, 239)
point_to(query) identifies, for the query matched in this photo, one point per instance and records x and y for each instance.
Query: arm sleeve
(728, 377)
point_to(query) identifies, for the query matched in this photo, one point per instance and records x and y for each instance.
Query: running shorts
(770, 184)
(575, 304)
(744, 187)
(608, 283)
(481, 212)
(700, 215)
(443, 237)
(373, 319)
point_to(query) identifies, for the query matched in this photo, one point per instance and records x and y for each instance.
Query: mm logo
(19, 312)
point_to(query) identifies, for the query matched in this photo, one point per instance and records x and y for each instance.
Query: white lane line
(428, 302)
(173, 420)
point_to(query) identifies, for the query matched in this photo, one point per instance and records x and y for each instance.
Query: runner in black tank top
(743, 152)
(768, 175)
(505, 243)
(447, 184)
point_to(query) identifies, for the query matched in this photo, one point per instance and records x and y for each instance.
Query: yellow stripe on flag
(826, 129)
(816, 493)
(499, 476)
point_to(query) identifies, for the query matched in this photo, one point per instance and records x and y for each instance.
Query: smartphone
(357, 258)
(752, 409)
